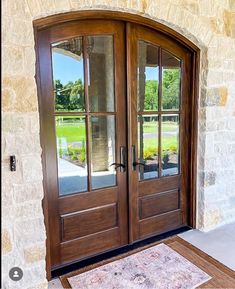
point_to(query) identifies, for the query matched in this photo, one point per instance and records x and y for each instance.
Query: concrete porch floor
(218, 243)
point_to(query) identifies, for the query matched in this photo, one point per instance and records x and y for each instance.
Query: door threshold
(64, 269)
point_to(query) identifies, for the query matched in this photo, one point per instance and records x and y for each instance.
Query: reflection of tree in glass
(151, 92)
(70, 96)
(171, 88)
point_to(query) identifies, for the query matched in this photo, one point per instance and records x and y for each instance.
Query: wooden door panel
(87, 222)
(84, 132)
(158, 190)
(159, 203)
(160, 224)
(149, 187)
(88, 200)
(90, 245)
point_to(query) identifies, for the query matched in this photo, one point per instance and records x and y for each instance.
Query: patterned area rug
(158, 267)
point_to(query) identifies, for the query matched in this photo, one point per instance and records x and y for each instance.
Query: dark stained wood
(84, 201)
(158, 204)
(61, 26)
(90, 245)
(132, 133)
(160, 223)
(164, 184)
(88, 222)
(114, 15)
(87, 106)
(94, 223)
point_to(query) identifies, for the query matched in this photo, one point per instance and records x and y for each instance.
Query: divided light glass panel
(103, 148)
(68, 75)
(171, 78)
(100, 73)
(71, 154)
(148, 146)
(148, 77)
(170, 145)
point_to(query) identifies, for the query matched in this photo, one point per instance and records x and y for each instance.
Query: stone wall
(210, 24)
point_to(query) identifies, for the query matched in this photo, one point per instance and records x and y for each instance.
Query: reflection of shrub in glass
(77, 154)
(165, 158)
(150, 153)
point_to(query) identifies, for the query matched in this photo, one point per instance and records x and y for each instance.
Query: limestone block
(62, 5)
(32, 168)
(34, 7)
(29, 61)
(17, 8)
(12, 123)
(122, 3)
(29, 210)
(19, 94)
(215, 97)
(35, 253)
(80, 4)
(28, 232)
(27, 192)
(12, 60)
(6, 242)
(209, 178)
(212, 218)
(191, 5)
(229, 23)
(17, 31)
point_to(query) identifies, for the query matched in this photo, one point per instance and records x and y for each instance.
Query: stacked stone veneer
(210, 24)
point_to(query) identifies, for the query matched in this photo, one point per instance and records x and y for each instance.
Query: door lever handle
(117, 165)
(134, 159)
(122, 164)
(138, 164)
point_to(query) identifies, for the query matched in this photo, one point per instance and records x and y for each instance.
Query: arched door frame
(54, 20)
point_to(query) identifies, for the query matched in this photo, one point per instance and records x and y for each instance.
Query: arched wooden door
(114, 108)
(159, 77)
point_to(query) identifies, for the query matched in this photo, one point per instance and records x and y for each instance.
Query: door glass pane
(67, 65)
(148, 77)
(71, 154)
(148, 146)
(103, 151)
(101, 73)
(170, 144)
(171, 74)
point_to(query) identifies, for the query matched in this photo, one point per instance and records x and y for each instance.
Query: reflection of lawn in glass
(151, 127)
(76, 132)
(72, 132)
(167, 143)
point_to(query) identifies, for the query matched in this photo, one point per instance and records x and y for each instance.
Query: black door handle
(134, 161)
(138, 164)
(122, 164)
(117, 165)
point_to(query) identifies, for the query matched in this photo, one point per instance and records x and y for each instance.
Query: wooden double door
(114, 109)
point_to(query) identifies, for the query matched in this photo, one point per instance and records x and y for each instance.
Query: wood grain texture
(126, 29)
(88, 222)
(159, 203)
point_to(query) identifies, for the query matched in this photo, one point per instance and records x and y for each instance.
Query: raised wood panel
(88, 200)
(159, 204)
(160, 224)
(90, 245)
(159, 185)
(88, 222)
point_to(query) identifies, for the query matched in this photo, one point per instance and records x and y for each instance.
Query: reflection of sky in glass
(66, 68)
(151, 73)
